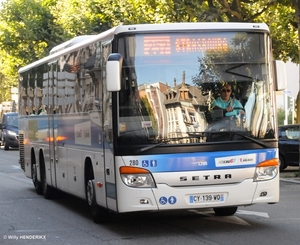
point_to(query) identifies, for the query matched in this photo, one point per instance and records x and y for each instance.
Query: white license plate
(201, 198)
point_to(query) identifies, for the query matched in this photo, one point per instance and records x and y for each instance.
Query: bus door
(52, 130)
(110, 171)
(109, 160)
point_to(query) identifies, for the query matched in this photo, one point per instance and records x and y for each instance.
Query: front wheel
(282, 164)
(6, 146)
(227, 211)
(99, 215)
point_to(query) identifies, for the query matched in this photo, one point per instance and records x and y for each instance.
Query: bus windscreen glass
(172, 80)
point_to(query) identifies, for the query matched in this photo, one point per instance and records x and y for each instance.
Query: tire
(6, 146)
(48, 191)
(227, 211)
(282, 165)
(99, 214)
(37, 184)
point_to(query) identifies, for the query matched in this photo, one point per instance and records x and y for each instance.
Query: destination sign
(164, 45)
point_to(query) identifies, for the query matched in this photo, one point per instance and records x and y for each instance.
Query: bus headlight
(266, 170)
(137, 177)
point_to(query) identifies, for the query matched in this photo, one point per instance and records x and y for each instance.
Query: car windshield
(173, 85)
(291, 133)
(12, 121)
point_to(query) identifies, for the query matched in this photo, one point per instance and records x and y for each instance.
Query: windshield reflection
(169, 92)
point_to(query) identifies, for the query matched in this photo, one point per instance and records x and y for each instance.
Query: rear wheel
(37, 184)
(47, 190)
(227, 211)
(99, 214)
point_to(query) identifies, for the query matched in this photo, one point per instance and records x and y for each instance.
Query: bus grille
(21, 152)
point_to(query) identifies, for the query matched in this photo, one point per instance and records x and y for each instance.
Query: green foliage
(30, 28)
(284, 33)
(76, 18)
(281, 117)
(27, 30)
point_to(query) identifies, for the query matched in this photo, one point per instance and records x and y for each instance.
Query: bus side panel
(75, 173)
(24, 151)
(99, 170)
(61, 169)
(34, 143)
(110, 175)
(79, 145)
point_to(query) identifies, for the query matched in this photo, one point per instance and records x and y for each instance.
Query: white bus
(124, 119)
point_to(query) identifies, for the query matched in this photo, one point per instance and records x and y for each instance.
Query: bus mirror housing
(113, 72)
(280, 75)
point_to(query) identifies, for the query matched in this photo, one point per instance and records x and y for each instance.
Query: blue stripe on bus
(202, 161)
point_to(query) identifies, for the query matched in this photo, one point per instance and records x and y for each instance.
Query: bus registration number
(217, 197)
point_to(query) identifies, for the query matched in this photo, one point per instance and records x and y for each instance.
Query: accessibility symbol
(153, 163)
(145, 163)
(163, 200)
(172, 200)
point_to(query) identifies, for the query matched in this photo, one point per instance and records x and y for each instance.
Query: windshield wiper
(150, 147)
(253, 140)
(231, 134)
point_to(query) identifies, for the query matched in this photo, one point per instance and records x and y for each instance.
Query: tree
(27, 31)
(30, 28)
(280, 116)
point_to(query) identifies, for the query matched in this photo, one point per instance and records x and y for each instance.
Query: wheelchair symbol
(163, 200)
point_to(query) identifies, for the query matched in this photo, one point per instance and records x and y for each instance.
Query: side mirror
(113, 72)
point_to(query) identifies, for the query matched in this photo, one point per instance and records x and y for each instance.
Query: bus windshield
(172, 87)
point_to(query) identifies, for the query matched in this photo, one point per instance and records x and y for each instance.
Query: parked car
(288, 145)
(9, 133)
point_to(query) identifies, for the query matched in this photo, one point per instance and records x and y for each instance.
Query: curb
(296, 181)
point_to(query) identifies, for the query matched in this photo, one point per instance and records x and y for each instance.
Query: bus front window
(170, 82)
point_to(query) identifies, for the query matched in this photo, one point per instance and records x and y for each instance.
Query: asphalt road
(27, 218)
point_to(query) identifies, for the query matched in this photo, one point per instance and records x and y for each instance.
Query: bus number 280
(134, 162)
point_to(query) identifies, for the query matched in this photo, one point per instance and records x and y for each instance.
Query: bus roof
(70, 43)
(67, 47)
(82, 41)
(218, 26)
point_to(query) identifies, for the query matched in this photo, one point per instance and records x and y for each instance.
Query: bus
(124, 119)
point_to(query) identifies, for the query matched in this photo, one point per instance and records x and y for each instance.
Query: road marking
(15, 166)
(260, 214)
(228, 219)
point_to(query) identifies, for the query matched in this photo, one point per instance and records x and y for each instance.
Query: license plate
(204, 198)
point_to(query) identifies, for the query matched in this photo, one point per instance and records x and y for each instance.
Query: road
(27, 218)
